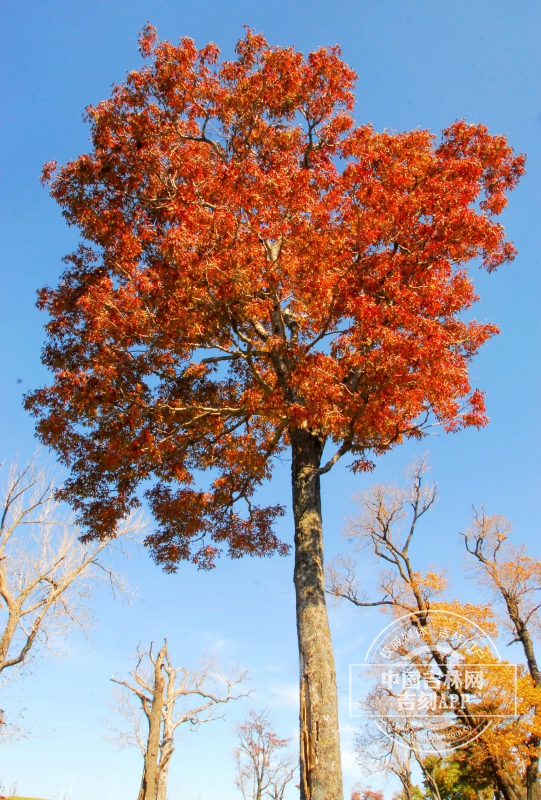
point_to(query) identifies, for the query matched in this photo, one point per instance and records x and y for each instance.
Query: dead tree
(263, 769)
(160, 698)
(47, 574)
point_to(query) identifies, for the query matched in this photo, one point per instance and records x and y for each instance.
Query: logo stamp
(432, 682)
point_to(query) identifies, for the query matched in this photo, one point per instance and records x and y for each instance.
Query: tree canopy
(254, 262)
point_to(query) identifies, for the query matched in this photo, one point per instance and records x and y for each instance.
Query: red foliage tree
(259, 273)
(358, 793)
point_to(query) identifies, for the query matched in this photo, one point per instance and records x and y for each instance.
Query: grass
(13, 797)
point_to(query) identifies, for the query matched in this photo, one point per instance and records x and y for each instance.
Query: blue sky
(421, 63)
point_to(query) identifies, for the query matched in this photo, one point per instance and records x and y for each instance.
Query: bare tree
(47, 574)
(159, 699)
(11, 731)
(263, 770)
(378, 751)
(392, 744)
(379, 529)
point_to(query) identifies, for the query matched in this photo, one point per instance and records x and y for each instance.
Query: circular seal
(430, 681)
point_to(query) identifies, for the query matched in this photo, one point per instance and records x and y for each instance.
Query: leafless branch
(47, 575)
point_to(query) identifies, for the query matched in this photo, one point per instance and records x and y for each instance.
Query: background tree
(457, 779)
(158, 700)
(259, 273)
(360, 793)
(46, 574)
(12, 731)
(386, 526)
(263, 770)
(379, 753)
(514, 579)
(393, 743)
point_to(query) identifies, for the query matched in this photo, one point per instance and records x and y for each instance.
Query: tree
(360, 793)
(455, 779)
(166, 697)
(378, 753)
(262, 770)
(11, 731)
(514, 578)
(502, 757)
(259, 273)
(390, 745)
(46, 574)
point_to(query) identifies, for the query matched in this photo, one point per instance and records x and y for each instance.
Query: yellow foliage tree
(503, 712)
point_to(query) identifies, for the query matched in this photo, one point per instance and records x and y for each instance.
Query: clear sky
(421, 63)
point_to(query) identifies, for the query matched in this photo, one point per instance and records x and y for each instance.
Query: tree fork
(320, 763)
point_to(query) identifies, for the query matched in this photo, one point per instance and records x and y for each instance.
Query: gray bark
(320, 763)
(149, 783)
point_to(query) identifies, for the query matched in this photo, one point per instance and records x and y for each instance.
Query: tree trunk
(405, 780)
(149, 783)
(320, 765)
(166, 751)
(506, 786)
(162, 782)
(533, 789)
